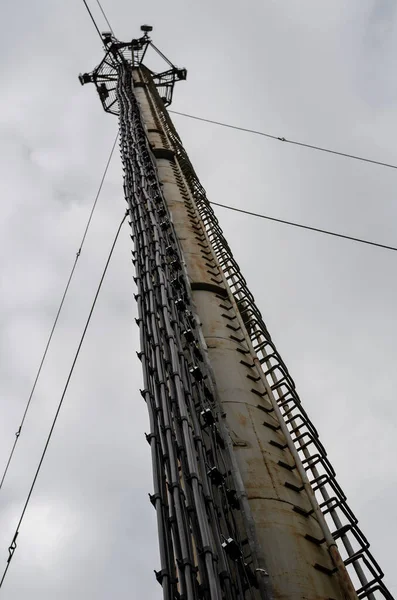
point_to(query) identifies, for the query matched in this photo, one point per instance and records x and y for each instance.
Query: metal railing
(353, 546)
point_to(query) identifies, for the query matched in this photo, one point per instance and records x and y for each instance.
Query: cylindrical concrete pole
(247, 502)
(301, 558)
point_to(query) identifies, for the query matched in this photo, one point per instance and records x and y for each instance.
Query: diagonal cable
(301, 226)
(13, 545)
(283, 139)
(105, 17)
(93, 20)
(18, 433)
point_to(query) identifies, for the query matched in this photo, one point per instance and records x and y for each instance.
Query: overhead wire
(283, 139)
(105, 17)
(18, 433)
(301, 226)
(13, 544)
(92, 19)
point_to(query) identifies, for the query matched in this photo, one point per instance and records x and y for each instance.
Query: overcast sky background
(320, 72)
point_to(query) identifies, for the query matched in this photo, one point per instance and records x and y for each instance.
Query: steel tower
(246, 499)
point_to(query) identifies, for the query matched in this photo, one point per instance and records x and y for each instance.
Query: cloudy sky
(319, 72)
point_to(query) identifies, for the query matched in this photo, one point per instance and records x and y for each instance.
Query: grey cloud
(297, 70)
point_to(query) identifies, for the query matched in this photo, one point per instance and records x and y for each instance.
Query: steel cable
(92, 19)
(301, 226)
(18, 433)
(13, 545)
(283, 139)
(105, 17)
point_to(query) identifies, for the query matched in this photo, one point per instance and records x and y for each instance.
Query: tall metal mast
(246, 499)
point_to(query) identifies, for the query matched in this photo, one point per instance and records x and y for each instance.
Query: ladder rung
(302, 511)
(286, 465)
(314, 540)
(292, 486)
(277, 444)
(325, 570)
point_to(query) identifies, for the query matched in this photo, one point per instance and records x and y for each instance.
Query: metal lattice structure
(210, 543)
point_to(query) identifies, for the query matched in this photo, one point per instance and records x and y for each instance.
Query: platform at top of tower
(133, 53)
